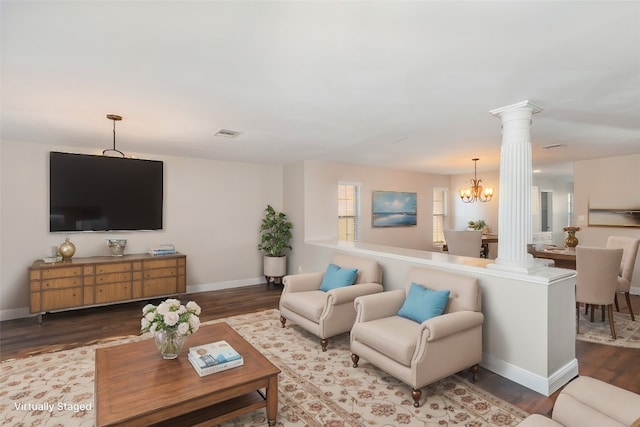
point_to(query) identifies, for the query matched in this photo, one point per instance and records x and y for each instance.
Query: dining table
(562, 257)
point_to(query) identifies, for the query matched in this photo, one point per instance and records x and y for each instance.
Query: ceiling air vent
(554, 146)
(226, 133)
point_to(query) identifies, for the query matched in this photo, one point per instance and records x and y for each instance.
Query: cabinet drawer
(159, 272)
(52, 273)
(157, 287)
(113, 278)
(113, 292)
(57, 299)
(113, 268)
(63, 282)
(160, 263)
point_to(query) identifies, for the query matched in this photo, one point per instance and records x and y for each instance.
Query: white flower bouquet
(171, 317)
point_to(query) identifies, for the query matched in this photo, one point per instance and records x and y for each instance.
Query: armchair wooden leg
(474, 372)
(603, 308)
(355, 359)
(615, 300)
(611, 324)
(626, 296)
(283, 321)
(416, 393)
(324, 342)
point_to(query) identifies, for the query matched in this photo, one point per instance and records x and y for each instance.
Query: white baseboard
(19, 313)
(545, 386)
(15, 313)
(206, 287)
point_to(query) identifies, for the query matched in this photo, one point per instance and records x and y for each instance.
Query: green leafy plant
(477, 225)
(275, 233)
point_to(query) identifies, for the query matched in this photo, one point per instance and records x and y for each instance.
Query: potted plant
(477, 225)
(274, 240)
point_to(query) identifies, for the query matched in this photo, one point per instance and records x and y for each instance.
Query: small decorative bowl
(116, 246)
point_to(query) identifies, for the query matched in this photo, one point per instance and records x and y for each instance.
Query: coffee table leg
(272, 400)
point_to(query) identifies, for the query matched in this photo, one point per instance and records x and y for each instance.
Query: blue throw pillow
(336, 277)
(422, 303)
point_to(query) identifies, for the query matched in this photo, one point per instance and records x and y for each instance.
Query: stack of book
(214, 357)
(167, 249)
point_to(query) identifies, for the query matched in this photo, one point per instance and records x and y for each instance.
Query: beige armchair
(589, 402)
(421, 353)
(330, 313)
(464, 242)
(597, 280)
(629, 247)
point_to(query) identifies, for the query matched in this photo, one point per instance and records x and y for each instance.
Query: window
(348, 211)
(570, 209)
(440, 196)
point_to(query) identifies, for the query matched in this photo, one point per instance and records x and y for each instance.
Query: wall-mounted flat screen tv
(102, 193)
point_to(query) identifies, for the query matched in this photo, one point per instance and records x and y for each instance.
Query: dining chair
(464, 242)
(597, 280)
(629, 247)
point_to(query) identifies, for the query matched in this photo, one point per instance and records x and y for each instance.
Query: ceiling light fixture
(554, 146)
(227, 133)
(476, 192)
(115, 119)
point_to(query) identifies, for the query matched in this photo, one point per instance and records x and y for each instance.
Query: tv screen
(101, 193)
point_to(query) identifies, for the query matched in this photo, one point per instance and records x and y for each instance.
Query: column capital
(518, 106)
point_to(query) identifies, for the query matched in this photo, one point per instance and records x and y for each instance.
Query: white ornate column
(514, 213)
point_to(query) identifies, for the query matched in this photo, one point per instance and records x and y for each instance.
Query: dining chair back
(629, 247)
(597, 280)
(464, 242)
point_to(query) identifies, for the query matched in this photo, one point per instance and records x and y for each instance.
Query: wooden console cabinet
(81, 282)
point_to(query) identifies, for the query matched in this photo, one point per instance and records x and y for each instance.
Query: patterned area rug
(627, 331)
(316, 388)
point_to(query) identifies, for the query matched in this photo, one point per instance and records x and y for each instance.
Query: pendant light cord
(115, 118)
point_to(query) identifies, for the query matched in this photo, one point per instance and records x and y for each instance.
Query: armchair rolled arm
(347, 294)
(302, 282)
(378, 306)
(451, 323)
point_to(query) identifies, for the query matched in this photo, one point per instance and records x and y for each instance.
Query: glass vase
(169, 343)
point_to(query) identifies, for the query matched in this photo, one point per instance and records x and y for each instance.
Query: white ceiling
(400, 84)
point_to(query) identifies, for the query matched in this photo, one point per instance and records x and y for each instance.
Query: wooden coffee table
(135, 386)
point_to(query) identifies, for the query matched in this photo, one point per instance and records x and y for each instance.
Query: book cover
(214, 353)
(202, 369)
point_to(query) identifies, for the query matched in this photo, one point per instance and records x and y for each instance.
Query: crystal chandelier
(476, 192)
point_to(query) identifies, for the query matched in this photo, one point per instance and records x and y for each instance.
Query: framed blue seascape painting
(394, 209)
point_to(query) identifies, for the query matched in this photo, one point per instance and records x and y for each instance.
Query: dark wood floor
(23, 337)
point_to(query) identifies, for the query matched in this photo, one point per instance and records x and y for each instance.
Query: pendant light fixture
(115, 119)
(476, 192)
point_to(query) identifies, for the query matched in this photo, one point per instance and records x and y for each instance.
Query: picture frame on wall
(607, 217)
(394, 209)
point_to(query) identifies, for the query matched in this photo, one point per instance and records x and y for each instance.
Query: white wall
(461, 213)
(612, 181)
(212, 213)
(321, 202)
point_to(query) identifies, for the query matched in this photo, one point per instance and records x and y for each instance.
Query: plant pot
(275, 266)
